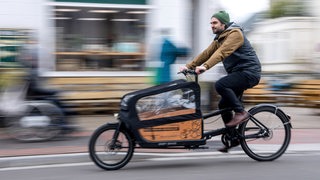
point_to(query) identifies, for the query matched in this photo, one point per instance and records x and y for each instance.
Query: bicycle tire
(103, 155)
(276, 137)
(30, 133)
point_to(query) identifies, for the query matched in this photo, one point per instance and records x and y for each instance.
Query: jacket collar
(224, 33)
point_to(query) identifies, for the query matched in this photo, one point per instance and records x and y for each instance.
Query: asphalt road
(290, 166)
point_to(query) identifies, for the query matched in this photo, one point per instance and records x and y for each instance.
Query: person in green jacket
(231, 47)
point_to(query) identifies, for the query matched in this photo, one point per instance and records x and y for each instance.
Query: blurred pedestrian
(168, 55)
(231, 47)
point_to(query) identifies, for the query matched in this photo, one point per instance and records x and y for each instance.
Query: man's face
(216, 26)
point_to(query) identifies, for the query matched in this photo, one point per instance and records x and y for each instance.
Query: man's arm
(232, 42)
(204, 56)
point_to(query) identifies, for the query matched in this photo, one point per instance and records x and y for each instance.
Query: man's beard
(217, 31)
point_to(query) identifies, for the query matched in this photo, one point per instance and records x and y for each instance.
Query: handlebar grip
(202, 71)
(188, 71)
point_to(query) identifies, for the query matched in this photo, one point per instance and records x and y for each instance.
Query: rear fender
(276, 109)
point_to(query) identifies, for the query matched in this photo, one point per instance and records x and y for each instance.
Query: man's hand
(183, 68)
(200, 69)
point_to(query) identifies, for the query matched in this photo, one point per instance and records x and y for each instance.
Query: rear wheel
(107, 153)
(266, 135)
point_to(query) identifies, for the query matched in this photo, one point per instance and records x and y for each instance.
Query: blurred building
(289, 44)
(110, 35)
(103, 35)
(21, 20)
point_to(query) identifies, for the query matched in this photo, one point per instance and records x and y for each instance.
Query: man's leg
(228, 115)
(230, 88)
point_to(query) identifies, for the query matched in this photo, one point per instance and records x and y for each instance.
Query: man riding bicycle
(239, 59)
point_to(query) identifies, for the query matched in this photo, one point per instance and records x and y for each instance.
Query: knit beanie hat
(222, 16)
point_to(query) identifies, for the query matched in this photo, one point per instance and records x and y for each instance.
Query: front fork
(113, 143)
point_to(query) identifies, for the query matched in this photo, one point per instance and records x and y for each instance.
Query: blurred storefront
(105, 35)
(100, 35)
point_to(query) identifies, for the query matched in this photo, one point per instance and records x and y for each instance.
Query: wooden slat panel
(94, 95)
(99, 87)
(310, 81)
(97, 80)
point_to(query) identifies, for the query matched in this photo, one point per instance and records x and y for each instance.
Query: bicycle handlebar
(190, 71)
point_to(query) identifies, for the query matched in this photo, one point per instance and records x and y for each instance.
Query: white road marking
(152, 157)
(46, 166)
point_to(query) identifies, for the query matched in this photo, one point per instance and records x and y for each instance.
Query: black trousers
(231, 88)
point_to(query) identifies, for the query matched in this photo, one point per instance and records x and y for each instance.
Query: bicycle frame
(181, 126)
(132, 122)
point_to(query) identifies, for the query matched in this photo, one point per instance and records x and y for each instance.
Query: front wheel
(266, 135)
(107, 152)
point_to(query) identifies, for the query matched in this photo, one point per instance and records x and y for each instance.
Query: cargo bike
(169, 116)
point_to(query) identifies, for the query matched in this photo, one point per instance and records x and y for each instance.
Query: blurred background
(94, 51)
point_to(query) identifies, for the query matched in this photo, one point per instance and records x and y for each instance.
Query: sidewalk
(305, 133)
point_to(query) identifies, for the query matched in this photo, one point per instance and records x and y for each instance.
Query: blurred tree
(283, 8)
